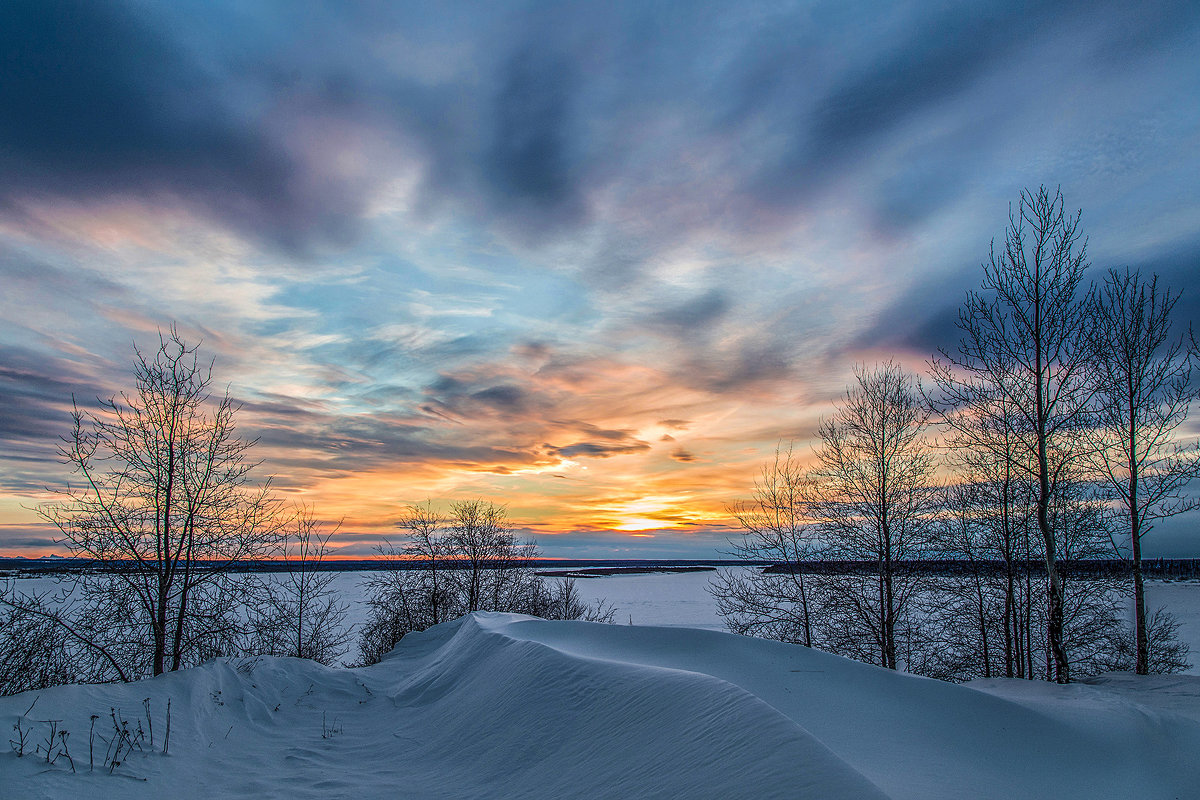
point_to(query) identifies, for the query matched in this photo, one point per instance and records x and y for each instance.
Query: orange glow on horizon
(650, 461)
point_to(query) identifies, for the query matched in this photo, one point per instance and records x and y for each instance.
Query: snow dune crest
(505, 706)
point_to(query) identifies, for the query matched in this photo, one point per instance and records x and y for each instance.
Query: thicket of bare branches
(298, 613)
(37, 650)
(776, 526)
(873, 500)
(468, 560)
(990, 516)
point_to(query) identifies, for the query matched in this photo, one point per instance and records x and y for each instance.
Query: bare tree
(1024, 351)
(1093, 605)
(967, 607)
(775, 526)
(405, 597)
(1167, 652)
(1145, 392)
(495, 574)
(43, 644)
(298, 613)
(164, 503)
(559, 599)
(873, 501)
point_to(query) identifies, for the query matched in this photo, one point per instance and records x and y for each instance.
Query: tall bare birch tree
(1024, 350)
(1145, 392)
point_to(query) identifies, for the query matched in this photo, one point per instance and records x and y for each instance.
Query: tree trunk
(159, 625)
(1054, 622)
(983, 626)
(804, 610)
(1142, 642)
(1010, 620)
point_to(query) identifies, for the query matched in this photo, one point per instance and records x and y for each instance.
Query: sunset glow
(593, 262)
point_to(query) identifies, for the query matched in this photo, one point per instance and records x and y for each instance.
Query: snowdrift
(504, 706)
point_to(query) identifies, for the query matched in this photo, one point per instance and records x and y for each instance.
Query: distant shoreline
(1168, 568)
(575, 567)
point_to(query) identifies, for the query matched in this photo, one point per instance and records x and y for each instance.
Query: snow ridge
(506, 706)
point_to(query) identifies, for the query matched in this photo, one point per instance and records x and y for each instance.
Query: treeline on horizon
(1151, 568)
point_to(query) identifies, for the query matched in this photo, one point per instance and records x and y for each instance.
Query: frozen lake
(672, 599)
(681, 599)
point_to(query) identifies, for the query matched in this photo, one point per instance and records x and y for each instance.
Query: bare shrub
(776, 525)
(297, 613)
(450, 565)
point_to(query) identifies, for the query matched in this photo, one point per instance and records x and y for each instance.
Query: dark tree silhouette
(450, 565)
(873, 500)
(1024, 351)
(163, 495)
(1144, 395)
(297, 612)
(775, 526)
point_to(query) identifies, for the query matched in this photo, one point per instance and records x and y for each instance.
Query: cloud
(450, 249)
(611, 443)
(469, 394)
(527, 162)
(697, 315)
(923, 318)
(699, 543)
(284, 127)
(35, 393)
(942, 53)
(596, 449)
(102, 101)
(30, 540)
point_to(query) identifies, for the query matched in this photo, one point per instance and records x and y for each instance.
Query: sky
(593, 261)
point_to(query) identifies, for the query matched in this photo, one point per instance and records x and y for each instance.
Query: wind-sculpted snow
(504, 706)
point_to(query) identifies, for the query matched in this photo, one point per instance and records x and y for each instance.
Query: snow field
(498, 705)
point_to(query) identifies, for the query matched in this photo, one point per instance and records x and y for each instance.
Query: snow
(668, 599)
(498, 705)
(1181, 598)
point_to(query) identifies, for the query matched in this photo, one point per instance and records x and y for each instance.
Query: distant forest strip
(1080, 568)
(1083, 568)
(592, 566)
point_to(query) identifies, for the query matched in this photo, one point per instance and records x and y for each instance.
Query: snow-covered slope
(504, 706)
